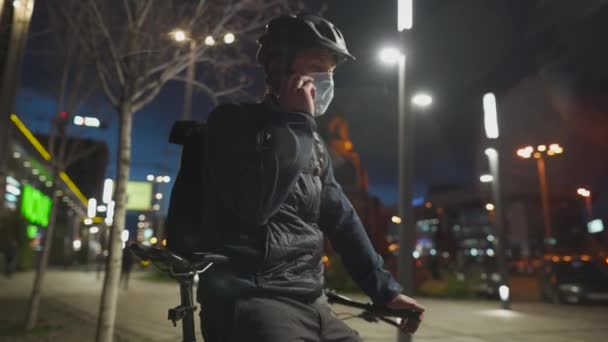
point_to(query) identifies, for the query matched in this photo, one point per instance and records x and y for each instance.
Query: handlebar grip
(379, 310)
(402, 313)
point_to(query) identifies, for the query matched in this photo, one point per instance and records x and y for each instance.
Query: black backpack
(184, 225)
(191, 198)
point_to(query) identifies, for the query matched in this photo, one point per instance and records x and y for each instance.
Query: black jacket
(273, 197)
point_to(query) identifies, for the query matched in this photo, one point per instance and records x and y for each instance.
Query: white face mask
(324, 84)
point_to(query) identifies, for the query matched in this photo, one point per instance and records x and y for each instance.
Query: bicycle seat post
(185, 311)
(182, 270)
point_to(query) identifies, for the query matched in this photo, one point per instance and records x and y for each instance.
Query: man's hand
(297, 94)
(404, 302)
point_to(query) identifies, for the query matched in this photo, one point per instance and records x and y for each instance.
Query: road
(142, 311)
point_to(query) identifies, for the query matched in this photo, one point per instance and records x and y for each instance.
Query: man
(10, 257)
(126, 267)
(272, 197)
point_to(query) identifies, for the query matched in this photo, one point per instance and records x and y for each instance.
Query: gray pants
(273, 319)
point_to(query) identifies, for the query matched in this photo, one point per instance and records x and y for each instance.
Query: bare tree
(73, 90)
(130, 44)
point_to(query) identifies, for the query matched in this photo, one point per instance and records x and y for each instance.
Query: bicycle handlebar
(372, 310)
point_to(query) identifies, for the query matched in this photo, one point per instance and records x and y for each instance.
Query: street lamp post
(407, 233)
(182, 36)
(538, 154)
(586, 195)
(496, 209)
(187, 114)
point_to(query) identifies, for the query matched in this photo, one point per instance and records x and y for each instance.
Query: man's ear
(275, 73)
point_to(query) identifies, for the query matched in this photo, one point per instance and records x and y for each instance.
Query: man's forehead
(319, 54)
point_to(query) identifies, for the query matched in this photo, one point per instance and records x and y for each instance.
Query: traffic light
(62, 120)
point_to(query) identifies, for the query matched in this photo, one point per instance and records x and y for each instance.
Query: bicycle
(371, 312)
(183, 271)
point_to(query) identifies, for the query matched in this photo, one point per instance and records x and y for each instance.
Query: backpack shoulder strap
(319, 155)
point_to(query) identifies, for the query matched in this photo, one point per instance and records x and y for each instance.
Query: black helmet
(286, 35)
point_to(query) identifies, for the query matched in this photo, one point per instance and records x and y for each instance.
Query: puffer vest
(283, 255)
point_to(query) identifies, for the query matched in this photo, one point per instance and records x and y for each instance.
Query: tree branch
(144, 14)
(104, 84)
(197, 14)
(74, 156)
(128, 11)
(214, 95)
(115, 59)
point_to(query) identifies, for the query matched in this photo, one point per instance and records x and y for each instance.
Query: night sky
(458, 51)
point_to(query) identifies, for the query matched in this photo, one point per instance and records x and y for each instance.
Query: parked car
(574, 279)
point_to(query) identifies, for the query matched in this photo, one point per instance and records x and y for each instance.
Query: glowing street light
(526, 152)
(583, 192)
(179, 35)
(391, 56)
(91, 121)
(229, 38)
(405, 14)
(209, 41)
(108, 188)
(490, 115)
(539, 154)
(88, 121)
(422, 100)
(491, 153)
(504, 294)
(110, 213)
(586, 195)
(486, 178)
(490, 207)
(92, 208)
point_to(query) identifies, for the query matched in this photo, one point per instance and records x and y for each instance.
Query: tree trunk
(109, 295)
(57, 167)
(34, 304)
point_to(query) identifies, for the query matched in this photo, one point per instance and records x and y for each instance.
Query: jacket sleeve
(253, 157)
(348, 237)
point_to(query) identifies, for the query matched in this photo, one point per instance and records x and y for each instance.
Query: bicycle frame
(185, 278)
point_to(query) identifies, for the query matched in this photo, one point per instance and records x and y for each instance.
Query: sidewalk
(56, 323)
(142, 314)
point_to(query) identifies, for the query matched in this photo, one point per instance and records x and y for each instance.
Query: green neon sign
(32, 231)
(35, 206)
